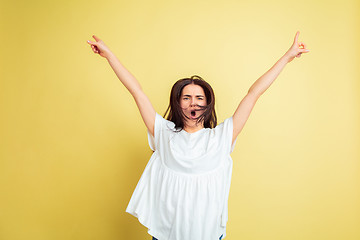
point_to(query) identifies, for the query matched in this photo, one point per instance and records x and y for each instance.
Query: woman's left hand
(296, 49)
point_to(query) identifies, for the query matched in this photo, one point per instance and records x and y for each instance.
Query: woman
(183, 191)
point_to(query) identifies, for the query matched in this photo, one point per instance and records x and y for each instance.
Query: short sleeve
(159, 126)
(226, 129)
(231, 134)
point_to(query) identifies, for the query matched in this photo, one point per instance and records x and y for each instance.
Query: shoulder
(163, 123)
(227, 123)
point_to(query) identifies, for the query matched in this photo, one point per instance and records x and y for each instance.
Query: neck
(191, 127)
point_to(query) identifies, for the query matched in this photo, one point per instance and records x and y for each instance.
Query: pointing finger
(96, 38)
(296, 37)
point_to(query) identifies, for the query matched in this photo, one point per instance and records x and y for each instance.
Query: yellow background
(73, 145)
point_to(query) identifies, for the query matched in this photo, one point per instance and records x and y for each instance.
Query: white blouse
(183, 192)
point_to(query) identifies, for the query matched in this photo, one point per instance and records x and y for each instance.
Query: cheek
(203, 103)
(184, 104)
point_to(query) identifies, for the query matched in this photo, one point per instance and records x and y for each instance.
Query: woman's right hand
(99, 47)
(296, 49)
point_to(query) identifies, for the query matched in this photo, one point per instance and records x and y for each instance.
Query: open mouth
(193, 113)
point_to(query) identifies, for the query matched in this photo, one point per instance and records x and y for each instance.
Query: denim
(156, 238)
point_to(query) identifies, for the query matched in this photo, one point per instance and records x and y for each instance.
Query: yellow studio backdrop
(73, 144)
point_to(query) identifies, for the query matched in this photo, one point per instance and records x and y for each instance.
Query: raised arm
(245, 107)
(146, 109)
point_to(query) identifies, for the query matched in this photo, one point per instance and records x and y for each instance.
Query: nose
(193, 101)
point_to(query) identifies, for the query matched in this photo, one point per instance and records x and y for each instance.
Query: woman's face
(192, 97)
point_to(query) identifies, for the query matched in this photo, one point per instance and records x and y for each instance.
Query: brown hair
(175, 113)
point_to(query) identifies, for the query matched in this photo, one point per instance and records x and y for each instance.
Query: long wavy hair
(174, 111)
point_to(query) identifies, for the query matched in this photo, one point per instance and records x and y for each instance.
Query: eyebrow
(187, 95)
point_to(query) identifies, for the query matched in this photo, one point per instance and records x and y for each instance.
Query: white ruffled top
(183, 192)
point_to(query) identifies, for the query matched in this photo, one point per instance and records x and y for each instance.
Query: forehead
(193, 89)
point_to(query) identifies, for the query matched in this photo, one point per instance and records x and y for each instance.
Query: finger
(302, 45)
(296, 37)
(94, 49)
(96, 38)
(92, 43)
(304, 50)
